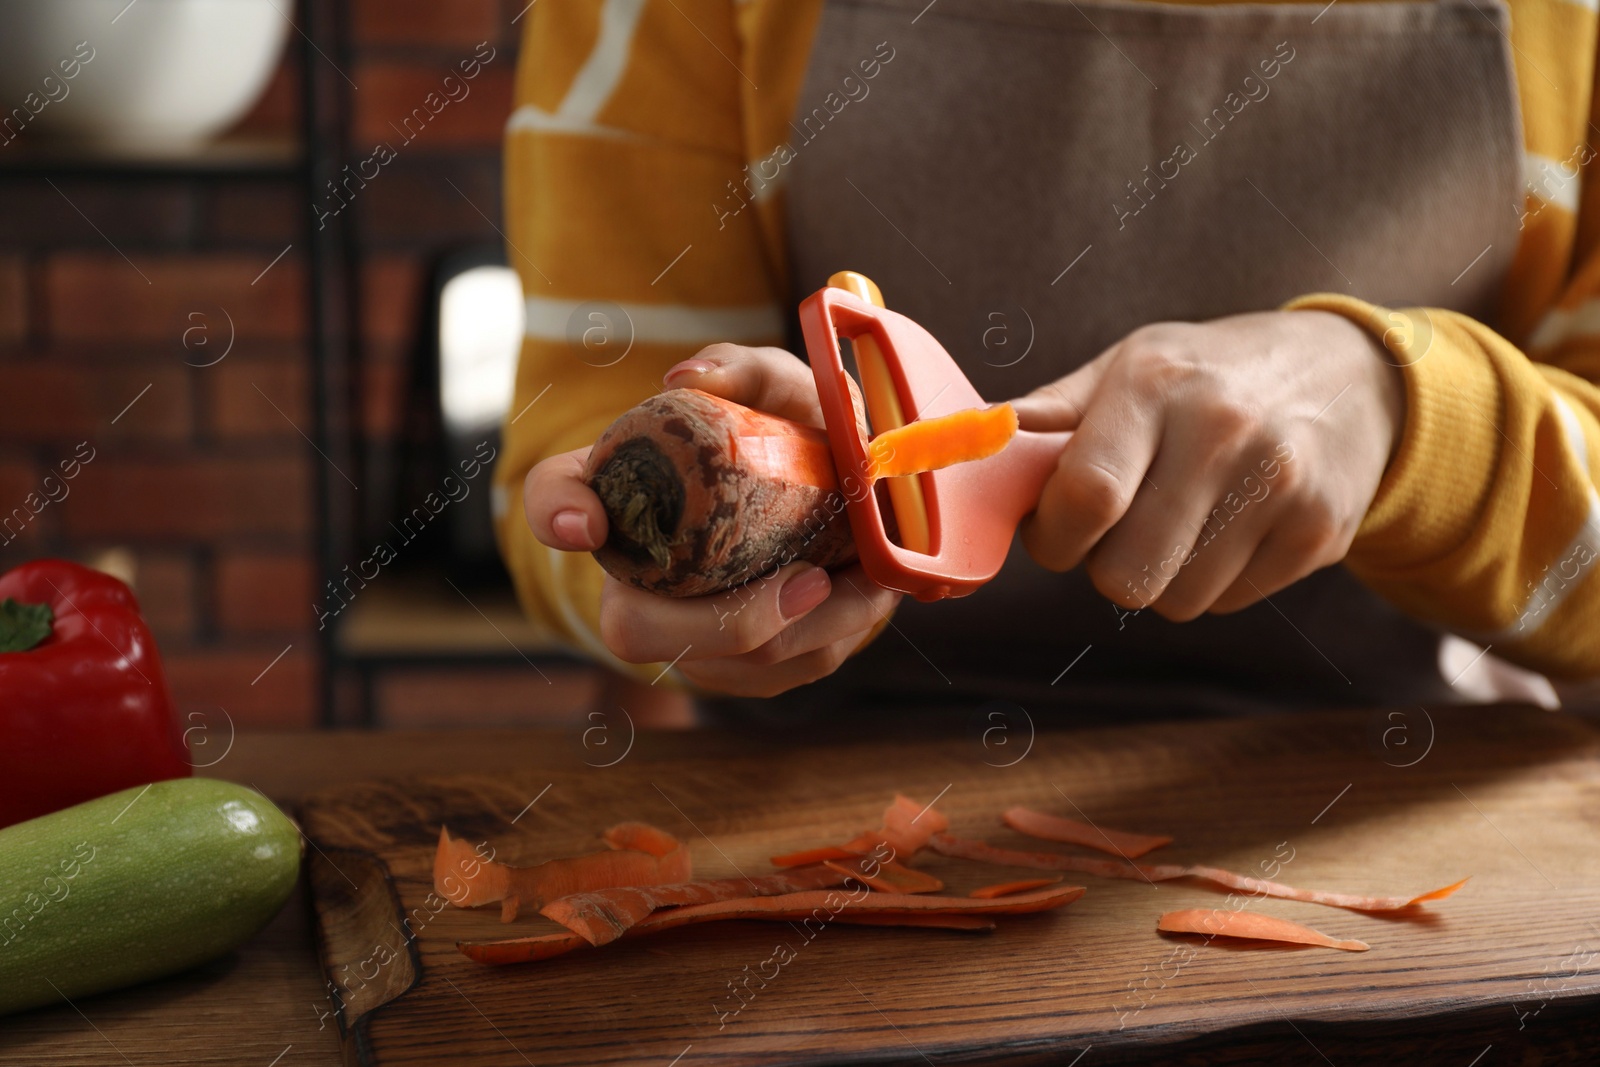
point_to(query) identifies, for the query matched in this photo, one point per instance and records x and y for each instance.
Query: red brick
(391, 91)
(99, 297)
(166, 584)
(190, 500)
(87, 213)
(269, 213)
(480, 696)
(242, 392)
(415, 204)
(259, 593)
(461, 23)
(207, 680)
(13, 299)
(392, 292)
(20, 529)
(79, 400)
(383, 399)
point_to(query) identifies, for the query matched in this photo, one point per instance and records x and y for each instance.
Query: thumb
(1059, 405)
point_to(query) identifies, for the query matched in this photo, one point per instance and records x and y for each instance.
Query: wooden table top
(266, 1003)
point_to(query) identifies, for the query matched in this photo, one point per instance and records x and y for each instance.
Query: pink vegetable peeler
(955, 525)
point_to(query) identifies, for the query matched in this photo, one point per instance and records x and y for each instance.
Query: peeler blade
(973, 508)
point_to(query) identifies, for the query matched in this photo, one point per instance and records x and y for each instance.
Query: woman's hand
(769, 635)
(1215, 463)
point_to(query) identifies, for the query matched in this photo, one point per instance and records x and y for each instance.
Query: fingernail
(572, 526)
(688, 366)
(803, 592)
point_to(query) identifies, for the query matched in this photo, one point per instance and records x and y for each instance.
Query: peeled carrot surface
(942, 441)
(477, 881)
(1069, 831)
(1245, 924)
(789, 907)
(1006, 889)
(983, 852)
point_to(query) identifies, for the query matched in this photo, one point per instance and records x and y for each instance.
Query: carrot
(906, 828)
(660, 860)
(929, 444)
(889, 877)
(606, 914)
(1245, 924)
(807, 857)
(702, 494)
(983, 852)
(640, 837)
(1005, 889)
(1070, 831)
(787, 907)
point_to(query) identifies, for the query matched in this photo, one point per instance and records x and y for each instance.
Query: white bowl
(158, 72)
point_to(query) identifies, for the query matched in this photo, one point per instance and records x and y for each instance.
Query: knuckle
(1288, 478)
(1096, 493)
(773, 651)
(620, 633)
(748, 630)
(1229, 423)
(834, 656)
(1318, 532)
(1116, 581)
(1176, 606)
(1161, 357)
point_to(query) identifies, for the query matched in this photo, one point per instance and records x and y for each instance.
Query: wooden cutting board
(1387, 802)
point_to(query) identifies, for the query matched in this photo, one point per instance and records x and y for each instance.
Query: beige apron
(1033, 179)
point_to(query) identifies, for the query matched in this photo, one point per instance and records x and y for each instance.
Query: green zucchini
(137, 885)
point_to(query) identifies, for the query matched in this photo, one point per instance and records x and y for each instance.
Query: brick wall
(112, 291)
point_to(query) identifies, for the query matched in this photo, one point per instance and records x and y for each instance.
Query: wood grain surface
(1389, 802)
(266, 1004)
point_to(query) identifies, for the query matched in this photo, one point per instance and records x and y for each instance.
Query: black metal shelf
(244, 157)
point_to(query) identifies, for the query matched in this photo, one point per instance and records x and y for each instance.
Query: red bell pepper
(84, 706)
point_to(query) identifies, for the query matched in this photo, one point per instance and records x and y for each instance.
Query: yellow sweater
(633, 116)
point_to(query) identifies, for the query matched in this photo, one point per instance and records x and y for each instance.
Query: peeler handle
(1031, 458)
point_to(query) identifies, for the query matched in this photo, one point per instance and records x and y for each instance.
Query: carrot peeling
(606, 914)
(806, 857)
(821, 905)
(1006, 889)
(467, 880)
(906, 828)
(890, 877)
(1244, 924)
(1069, 831)
(983, 852)
(942, 441)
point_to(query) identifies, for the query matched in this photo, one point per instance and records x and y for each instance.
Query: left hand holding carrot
(773, 633)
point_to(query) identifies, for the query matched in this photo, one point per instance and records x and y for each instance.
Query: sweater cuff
(1434, 492)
